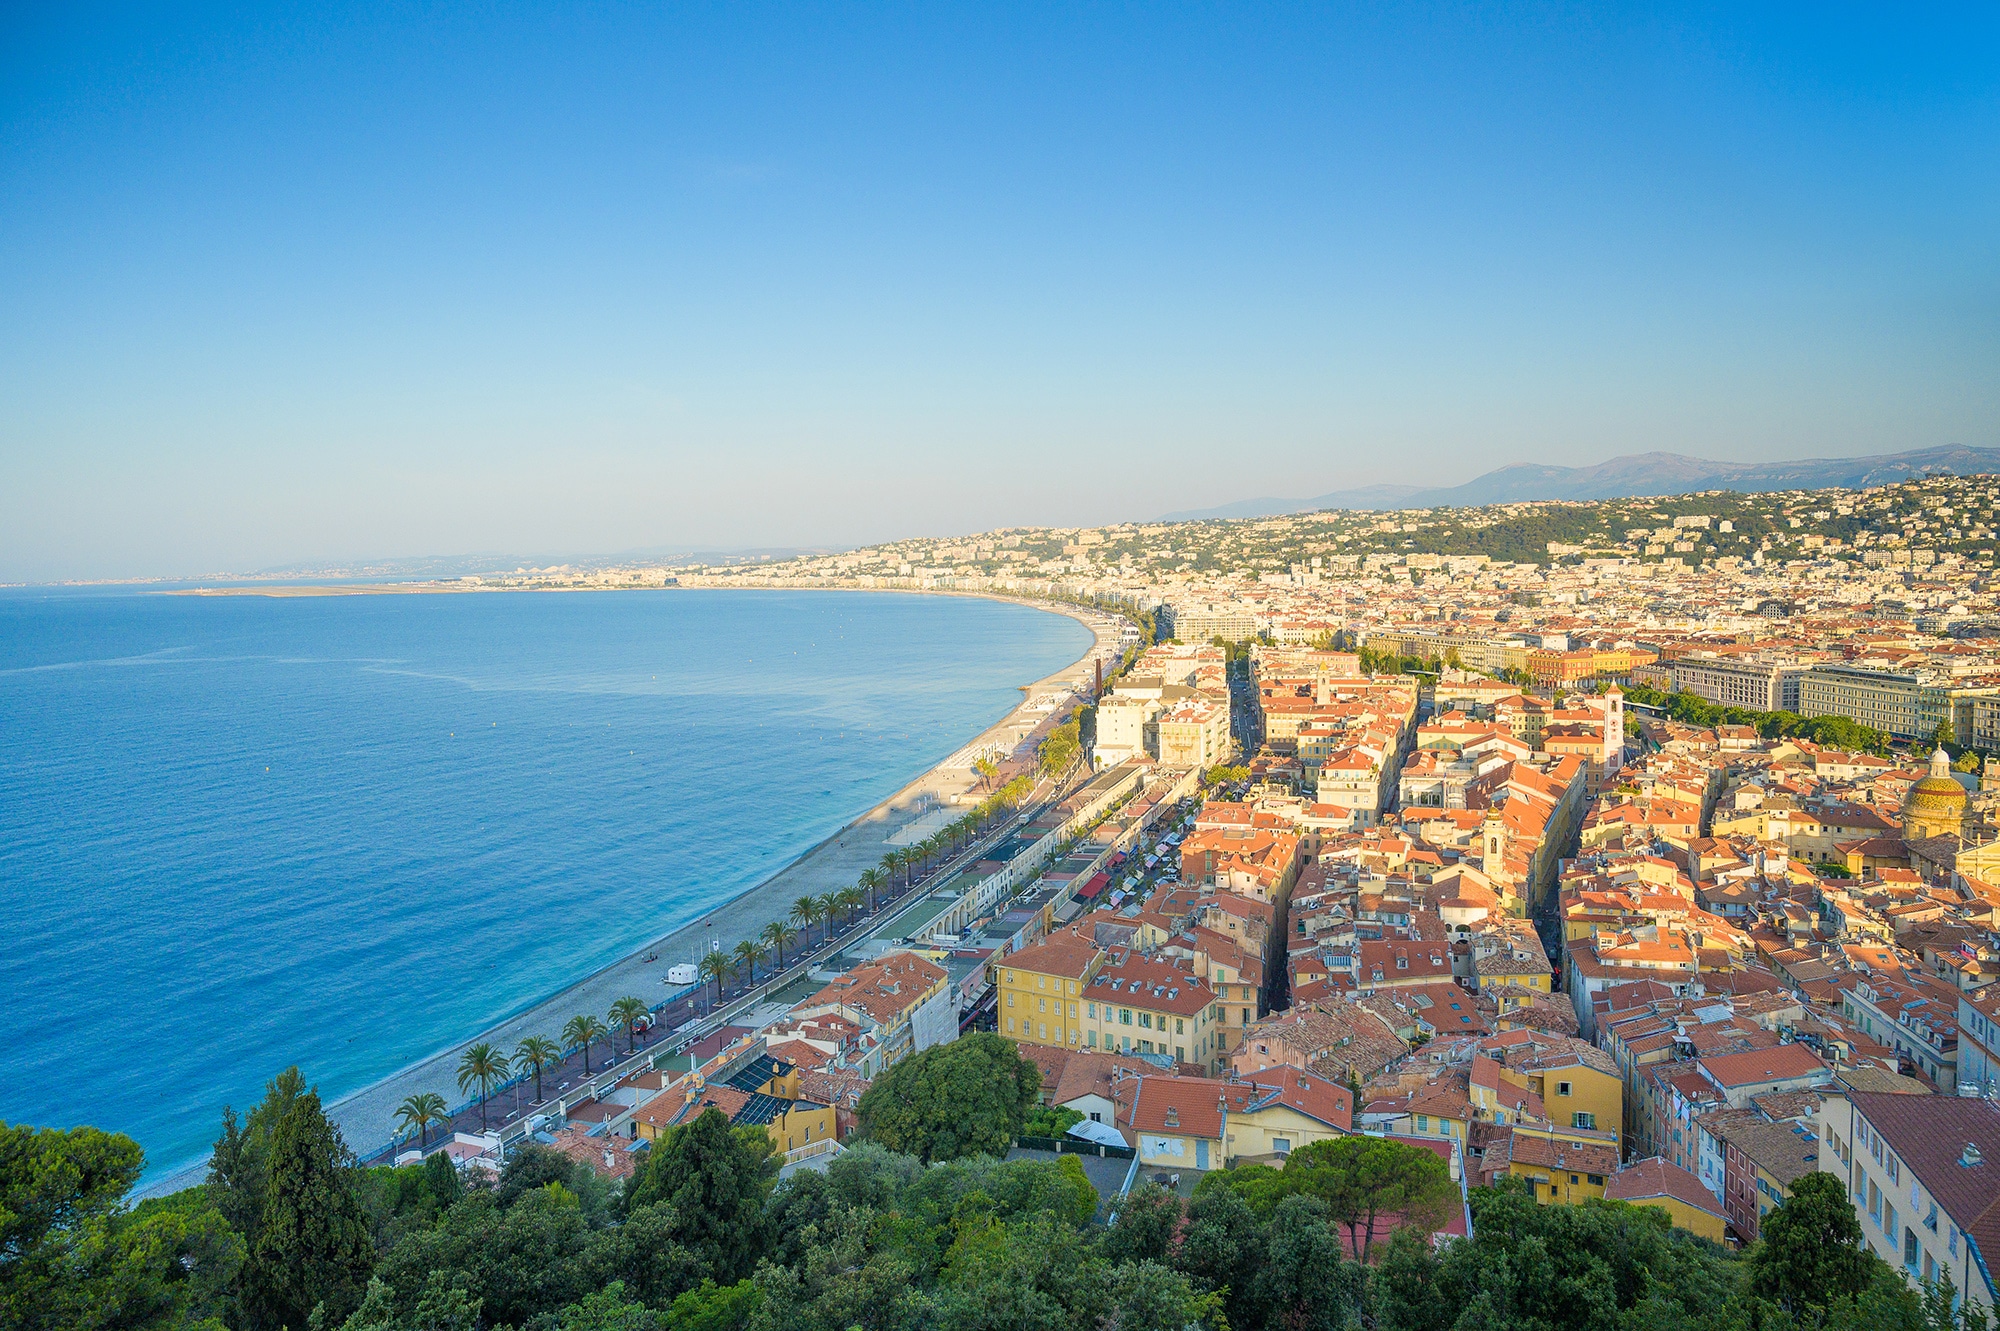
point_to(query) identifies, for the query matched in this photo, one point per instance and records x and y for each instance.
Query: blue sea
(242, 832)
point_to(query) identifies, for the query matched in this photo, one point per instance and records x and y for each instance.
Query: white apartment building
(1907, 706)
(1924, 1174)
(1123, 724)
(1204, 623)
(1763, 685)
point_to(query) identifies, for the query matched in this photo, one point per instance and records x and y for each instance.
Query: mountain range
(1628, 476)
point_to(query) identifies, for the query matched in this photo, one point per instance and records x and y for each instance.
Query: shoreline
(365, 1116)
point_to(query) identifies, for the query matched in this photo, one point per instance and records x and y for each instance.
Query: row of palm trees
(484, 1066)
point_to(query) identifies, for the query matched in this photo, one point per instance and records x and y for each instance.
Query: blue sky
(394, 281)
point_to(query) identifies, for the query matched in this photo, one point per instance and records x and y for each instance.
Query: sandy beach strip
(367, 1116)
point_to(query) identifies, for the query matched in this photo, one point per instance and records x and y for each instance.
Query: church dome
(1936, 804)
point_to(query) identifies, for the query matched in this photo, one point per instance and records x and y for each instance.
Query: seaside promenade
(367, 1117)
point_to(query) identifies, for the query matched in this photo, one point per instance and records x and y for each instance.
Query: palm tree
(747, 955)
(776, 935)
(714, 966)
(826, 905)
(584, 1030)
(626, 1012)
(805, 914)
(892, 863)
(482, 1065)
(419, 1112)
(850, 901)
(537, 1052)
(872, 881)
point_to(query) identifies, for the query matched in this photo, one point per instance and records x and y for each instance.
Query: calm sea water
(345, 832)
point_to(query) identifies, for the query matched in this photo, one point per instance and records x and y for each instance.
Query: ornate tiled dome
(1936, 804)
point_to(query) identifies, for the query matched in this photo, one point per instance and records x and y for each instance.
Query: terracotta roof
(1930, 1134)
(1657, 1176)
(1553, 1153)
(1752, 1066)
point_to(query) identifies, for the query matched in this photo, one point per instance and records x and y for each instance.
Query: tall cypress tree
(312, 1246)
(716, 1178)
(442, 1177)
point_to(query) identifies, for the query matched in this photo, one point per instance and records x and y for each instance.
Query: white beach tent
(1091, 1130)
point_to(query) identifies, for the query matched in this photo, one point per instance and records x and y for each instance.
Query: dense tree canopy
(968, 1097)
(704, 1239)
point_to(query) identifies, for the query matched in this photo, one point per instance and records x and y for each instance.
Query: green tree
(537, 1052)
(873, 881)
(850, 899)
(746, 957)
(583, 1031)
(239, 1166)
(420, 1111)
(715, 1178)
(73, 1256)
(776, 936)
(805, 914)
(626, 1014)
(442, 1306)
(441, 1175)
(1810, 1250)
(312, 1245)
(968, 1097)
(481, 1066)
(1363, 1180)
(826, 905)
(714, 966)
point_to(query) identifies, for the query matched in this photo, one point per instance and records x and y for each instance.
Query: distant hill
(1634, 474)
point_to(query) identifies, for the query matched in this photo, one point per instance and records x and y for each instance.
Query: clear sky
(396, 281)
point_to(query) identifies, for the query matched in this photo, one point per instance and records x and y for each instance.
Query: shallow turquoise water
(345, 832)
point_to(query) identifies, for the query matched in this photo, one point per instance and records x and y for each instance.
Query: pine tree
(312, 1246)
(716, 1178)
(442, 1176)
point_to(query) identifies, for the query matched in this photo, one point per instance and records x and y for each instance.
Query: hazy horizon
(380, 285)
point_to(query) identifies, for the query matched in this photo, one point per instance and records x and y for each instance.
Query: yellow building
(1577, 1084)
(1658, 1181)
(752, 1090)
(1141, 1005)
(1561, 1166)
(1041, 990)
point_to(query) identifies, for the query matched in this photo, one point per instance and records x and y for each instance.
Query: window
(1582, 1120)
(1423, 1123)
(1090, 1038)
(1010, 1025)
(1180, 1052)
(1180, 1026)
(1598, 1179)
(1910, 1248)
(1041, 1005)
(1010, 1003)
(1045, 1030)
(1146, 1020)
(1092, 1009)
(1041, 982)
(1281, 1145)
(1573, 1180)
(1562, 1088)
(1124, 1016)
(1895, 1170)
